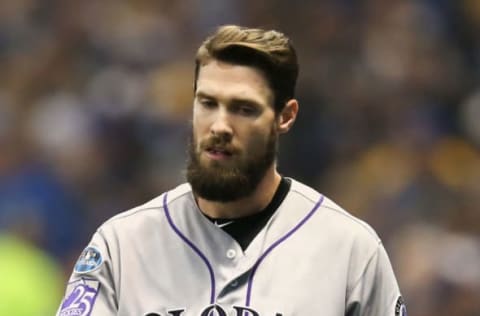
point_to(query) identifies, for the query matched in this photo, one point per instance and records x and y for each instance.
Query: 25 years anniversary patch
(80, 298)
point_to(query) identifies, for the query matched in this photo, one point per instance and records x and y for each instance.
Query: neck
(251, 204)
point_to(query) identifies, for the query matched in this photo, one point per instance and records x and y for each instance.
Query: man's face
(234, 132)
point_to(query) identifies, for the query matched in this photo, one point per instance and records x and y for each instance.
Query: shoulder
(333, 219)
(348, 222)
(148, 213)
(339, 233)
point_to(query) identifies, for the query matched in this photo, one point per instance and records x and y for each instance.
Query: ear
(287, 117)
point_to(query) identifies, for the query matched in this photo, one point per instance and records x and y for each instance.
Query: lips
(217, 148)
(219, 151)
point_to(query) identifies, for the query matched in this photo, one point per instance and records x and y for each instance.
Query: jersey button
(231, 253)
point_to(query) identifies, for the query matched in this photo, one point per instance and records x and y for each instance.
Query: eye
(207, 103)
(246, 109)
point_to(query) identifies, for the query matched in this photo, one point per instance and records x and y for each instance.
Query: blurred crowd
(95, 106)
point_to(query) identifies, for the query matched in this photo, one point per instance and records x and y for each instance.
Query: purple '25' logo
(80, 301)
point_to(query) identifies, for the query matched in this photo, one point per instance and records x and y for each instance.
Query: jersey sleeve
(376, 292)
(90, 289)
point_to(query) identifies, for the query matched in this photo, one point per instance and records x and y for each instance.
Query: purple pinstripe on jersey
(274, 245)
(194, 248)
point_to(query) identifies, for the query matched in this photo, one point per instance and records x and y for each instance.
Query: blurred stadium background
(95, 102)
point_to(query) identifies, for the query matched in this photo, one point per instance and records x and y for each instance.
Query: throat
(244, 229)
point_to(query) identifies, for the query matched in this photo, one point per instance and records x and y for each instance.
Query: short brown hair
(267, 50)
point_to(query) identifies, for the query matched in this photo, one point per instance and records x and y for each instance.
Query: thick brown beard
(229, 183)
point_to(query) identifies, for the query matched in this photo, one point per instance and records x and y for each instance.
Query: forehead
(226, 81)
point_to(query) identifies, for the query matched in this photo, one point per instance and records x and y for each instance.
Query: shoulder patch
(80, 298)
(400, 307)
(90, 260)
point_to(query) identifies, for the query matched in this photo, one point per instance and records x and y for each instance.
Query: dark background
(95, 105)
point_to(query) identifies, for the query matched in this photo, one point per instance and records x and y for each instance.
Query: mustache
(219, 143)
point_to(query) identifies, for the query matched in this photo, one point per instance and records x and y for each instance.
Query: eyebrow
(201, 94)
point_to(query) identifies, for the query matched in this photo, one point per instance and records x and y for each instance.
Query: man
(238, 238)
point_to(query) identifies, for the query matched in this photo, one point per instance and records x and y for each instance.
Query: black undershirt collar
(244, 229)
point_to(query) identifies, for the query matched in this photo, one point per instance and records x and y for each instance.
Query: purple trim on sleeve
(194, 248)
(274, 245)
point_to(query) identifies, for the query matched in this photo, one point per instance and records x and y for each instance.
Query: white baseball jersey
(165, 258)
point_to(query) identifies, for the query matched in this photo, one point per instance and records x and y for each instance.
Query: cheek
(258, 142)
(196, 139)
(199, 128)
(200, 119)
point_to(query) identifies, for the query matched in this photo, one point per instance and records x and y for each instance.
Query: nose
(221, 126)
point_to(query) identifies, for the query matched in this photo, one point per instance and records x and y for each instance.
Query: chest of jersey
(190, 267)
(165, 258)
